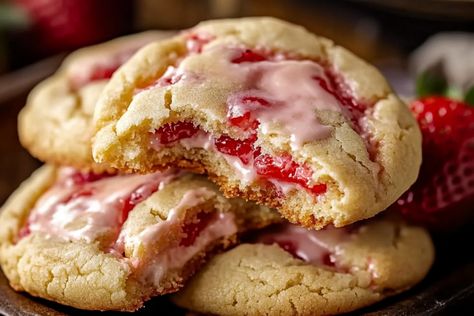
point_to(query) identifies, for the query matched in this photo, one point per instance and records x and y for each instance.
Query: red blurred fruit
(443, 196)
(65, 24)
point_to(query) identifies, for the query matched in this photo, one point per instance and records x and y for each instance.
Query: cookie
(111, 242)
(271, 112)
(55, 124)
(292, 271)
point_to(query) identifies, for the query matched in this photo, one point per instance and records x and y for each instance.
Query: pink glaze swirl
(317, 247)
(86, 210)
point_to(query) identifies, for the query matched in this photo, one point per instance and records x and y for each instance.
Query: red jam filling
(244, 149)
(170, 133)
(100, 72)
(170, 78)
(249, 56)
(328, 260)
(239, 111)
(24, 231)
(79, 178)
(282, 168)
(195, 42)
(137, 196)
(103, 72)
(192, 230)
(353, 109)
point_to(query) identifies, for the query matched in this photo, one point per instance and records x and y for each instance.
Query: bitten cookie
(111, 242)
(271, 112)
(55, 124)
(305, 272)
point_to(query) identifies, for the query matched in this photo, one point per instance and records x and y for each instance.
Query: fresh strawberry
(443, 195)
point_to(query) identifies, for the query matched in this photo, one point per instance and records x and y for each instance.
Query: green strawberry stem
(469, 97)
(431, 83)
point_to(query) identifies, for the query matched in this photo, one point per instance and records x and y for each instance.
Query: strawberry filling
(315, 247)
(195, 42)
(285, 169)
(239, 111)
(193, 229)
(243, 149)
(81, 178)
(137, 196)
(100, 69)
(103, 72)
(24, 231)
(248, 56)
(353, 109)
(170, 133)
(96, 73)
(280, 168)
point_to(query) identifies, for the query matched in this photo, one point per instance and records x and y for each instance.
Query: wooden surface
(449, 288)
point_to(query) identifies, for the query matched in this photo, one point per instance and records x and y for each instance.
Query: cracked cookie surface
(377, 258)
(111, 242)
(55, 124)
(271, 112)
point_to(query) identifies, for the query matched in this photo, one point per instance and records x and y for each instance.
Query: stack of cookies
(238, 164)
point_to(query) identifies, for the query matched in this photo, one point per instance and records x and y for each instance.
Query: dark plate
(448, 289)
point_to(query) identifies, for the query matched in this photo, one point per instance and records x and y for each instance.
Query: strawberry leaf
(453, 93)
(469, 97)
(429, 83)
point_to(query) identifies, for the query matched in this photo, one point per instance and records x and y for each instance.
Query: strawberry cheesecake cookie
(55, 123)
(288, 270)
(111, 242)
(271, 112)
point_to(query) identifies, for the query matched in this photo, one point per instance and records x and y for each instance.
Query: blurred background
(31, 30)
